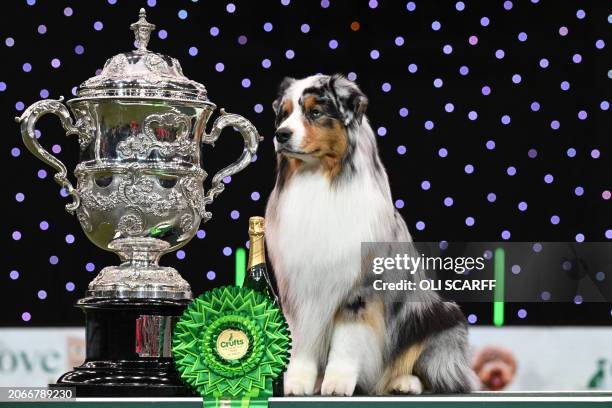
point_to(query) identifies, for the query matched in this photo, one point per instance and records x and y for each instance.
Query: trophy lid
(142, 74)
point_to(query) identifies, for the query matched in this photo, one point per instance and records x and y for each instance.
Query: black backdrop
(398, 43)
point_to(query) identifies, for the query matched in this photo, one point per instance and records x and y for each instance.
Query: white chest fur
(316, 234)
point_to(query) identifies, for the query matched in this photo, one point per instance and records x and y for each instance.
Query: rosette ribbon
(257, 338)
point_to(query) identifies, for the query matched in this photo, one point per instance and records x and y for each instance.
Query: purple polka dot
(42, 295)
(26, 317)
(472, 319)
(219, 67)
(563, 31)
(211, 275)
(469, 169)
(516, 269)
(201, 234)
(448, 201)
(420, 225)
(180, 254)
(69, 239)
(235, 215)
(53, 260)
(401, 149)
(227, 251)
(548, 178)
(19, 197)
(491, 197)
(44, 225)
(98, 26)
(535, 106)
(532, 153)
(545, 296)
(490, 144)
(442, 152)
(425, 185)
(304, 28)
(473, 40)
(505, 235)
(595, 153)
(16, 235)
(14, 275)
(555, 220)
(522, 206)
(537, 247)
(90, 267)
(255, 196)
(242, 39)
(486, 90)
(505, 119)
(579, 237)
(511, 171)
(469, 221)
(449, 107)
(70, 286)
(499, 54)
(399, 204)
(522, 313)
(484, 21)
(555, 125)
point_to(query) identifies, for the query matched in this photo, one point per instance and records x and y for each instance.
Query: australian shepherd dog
(331, 194)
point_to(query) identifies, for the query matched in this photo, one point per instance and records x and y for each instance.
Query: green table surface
(479, 399)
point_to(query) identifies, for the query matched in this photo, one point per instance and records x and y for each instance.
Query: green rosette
(231, 343)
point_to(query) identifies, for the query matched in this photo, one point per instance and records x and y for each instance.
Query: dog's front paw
(406, 384)
(339, 382)
(300, 379)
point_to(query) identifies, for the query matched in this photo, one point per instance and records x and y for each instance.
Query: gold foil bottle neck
(256, 226)
(257, 252)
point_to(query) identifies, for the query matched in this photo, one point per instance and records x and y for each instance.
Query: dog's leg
(355, 356)
(310, 337)
(399, 377)
(301, 376)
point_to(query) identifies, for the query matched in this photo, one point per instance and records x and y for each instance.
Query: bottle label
(232, 344)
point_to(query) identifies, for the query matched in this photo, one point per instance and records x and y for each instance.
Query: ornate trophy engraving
(140, 125)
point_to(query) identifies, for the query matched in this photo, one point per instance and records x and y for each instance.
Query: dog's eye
(315, 113)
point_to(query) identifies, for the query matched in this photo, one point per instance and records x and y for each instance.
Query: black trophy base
(128, 349)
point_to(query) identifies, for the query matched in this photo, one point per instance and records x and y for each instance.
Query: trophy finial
(142, 30)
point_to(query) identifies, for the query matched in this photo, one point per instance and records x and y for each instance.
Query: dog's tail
(443, 366)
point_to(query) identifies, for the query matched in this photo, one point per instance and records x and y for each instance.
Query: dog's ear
(351, 100)
(285, 83)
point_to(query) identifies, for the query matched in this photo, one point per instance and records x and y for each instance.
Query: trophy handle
(251, 141)
(28, 120)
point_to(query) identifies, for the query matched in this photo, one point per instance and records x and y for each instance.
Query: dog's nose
(283, 134)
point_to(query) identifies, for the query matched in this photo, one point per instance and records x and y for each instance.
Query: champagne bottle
(257, 277)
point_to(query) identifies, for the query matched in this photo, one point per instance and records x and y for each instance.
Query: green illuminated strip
(240, 266)
(498, 295)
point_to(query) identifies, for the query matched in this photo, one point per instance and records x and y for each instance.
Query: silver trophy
(140, 124)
